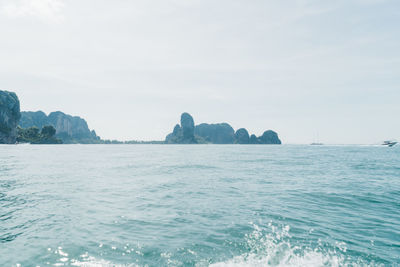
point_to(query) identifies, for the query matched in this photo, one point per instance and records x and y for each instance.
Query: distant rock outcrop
(184, 133)
(254, 139)
(68, 128)
(187, 125)
(270, 137)
(9, 117)
(219, 133)
(242, 136)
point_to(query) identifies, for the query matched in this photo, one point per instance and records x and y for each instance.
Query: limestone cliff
(9, 117)
(242, 136)
(183, 133)
(71, 129)
(219, 133)
(30, 119)
(187, 125)
(270, 137)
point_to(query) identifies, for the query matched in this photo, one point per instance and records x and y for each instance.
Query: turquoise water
(218, 205)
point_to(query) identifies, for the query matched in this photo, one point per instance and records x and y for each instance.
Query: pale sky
(326, 71)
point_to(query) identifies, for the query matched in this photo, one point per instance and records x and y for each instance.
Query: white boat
(389, 143)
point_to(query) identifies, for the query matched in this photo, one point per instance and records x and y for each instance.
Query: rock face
(270, 137)
(187, 124)
(172, 137)
(184, 133)
(9, 117)
(68, 128)
(242, 136)
(254, 139)
(220, 133)
(30, 119)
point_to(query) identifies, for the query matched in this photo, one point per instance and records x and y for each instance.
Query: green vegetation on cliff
(32, 135)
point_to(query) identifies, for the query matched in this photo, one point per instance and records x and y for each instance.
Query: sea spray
(272, 246)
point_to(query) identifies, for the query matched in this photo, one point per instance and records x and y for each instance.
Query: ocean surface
(199, 205)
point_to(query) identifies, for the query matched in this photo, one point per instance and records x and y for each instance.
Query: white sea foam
(268, 246)
(89, 261)
(275, 249)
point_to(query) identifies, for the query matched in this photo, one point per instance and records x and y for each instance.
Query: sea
(199, 205)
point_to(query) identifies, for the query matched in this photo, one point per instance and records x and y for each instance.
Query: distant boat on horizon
(389, 143)
(316, 140)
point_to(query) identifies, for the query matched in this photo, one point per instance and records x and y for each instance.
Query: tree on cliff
(33, 136)
(48, 131)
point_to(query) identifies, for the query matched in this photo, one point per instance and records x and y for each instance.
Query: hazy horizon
(313, 71)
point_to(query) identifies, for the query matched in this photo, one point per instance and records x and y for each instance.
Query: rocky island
(220, 133)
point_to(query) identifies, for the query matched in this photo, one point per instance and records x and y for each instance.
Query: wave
(273, 247)
(267, 246)
(86, 261)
